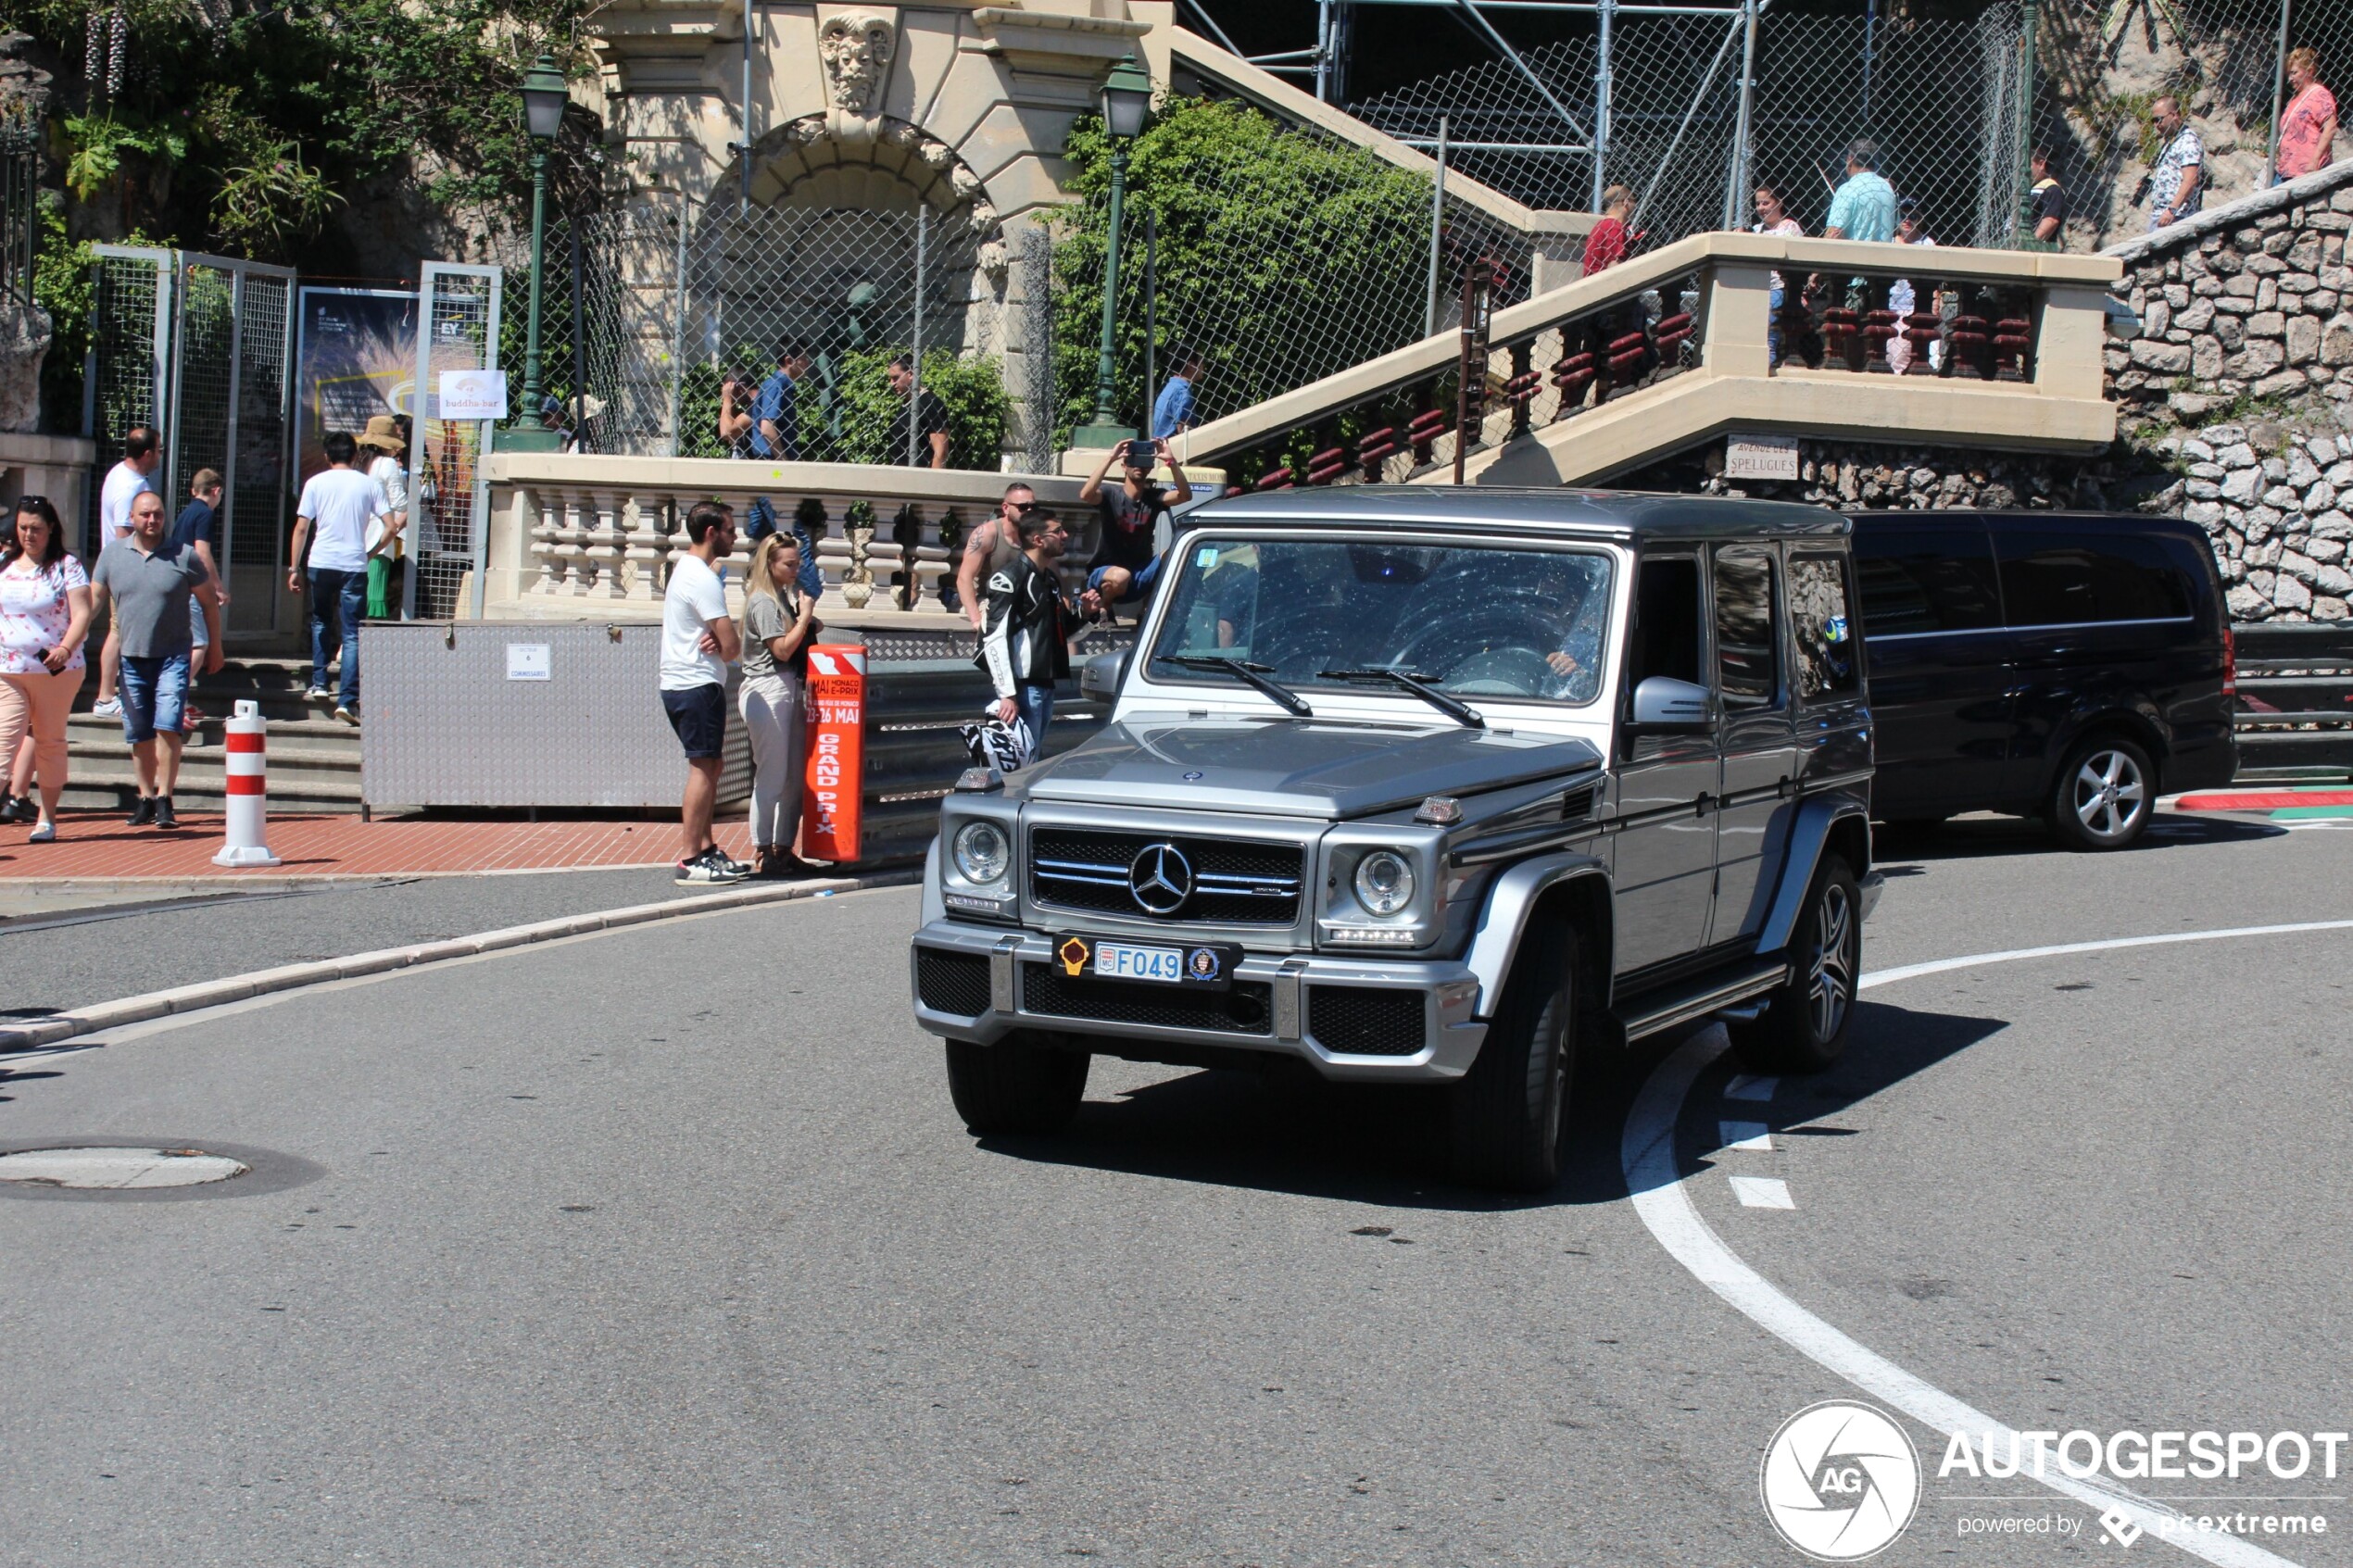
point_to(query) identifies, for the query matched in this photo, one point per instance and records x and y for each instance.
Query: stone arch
(846, 162)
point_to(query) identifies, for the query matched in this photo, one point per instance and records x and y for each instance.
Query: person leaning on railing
(2307, 125)
(1772, 217)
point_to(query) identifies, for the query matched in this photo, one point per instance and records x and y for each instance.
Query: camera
(1139, 454)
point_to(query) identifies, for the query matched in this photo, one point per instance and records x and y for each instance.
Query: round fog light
(982, 853)
(1384, 882)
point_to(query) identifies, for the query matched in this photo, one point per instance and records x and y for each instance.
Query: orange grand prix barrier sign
(836, 778)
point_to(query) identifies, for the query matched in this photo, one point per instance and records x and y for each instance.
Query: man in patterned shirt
(2177, 180)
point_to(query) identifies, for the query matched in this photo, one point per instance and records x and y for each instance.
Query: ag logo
(1840, 1481)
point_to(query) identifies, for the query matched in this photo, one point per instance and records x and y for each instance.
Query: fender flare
(1504, 916)
(1807, 838)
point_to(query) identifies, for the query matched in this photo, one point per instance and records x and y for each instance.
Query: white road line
(1762, 1192)
(1748, 1085)
(1656, 1184)
(1751, 1137)
(1938, 966)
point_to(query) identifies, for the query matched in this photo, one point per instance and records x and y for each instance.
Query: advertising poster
(357, 357)
(836, 763)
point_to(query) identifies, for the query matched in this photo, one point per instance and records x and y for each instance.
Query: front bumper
(1447, 993)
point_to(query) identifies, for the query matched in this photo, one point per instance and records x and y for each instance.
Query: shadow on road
(1968, 838)
(1292, 1132)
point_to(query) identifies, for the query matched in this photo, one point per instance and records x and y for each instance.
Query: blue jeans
(1037, 706)
(154, 689)
(338, 602)
(1774, 327)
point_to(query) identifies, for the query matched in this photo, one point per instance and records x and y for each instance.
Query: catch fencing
(659, 316)
(1689, 111)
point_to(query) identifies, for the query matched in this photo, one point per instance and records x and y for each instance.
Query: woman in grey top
(779, 624)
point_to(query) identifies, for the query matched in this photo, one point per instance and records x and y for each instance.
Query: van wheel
(2105, 792)
(1509, 1114)
(1806, 1018)
(1016, 1085)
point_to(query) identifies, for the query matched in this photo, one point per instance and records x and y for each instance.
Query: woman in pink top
(2308, 126)
(44, 618)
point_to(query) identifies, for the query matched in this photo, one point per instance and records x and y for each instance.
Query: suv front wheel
(1509, 1114)
(1806, 1018)
(1016, 1085)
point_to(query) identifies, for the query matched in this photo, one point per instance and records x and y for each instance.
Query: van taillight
(2230, 663)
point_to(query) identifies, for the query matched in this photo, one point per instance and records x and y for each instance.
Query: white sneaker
(710, 868)
(348, 716)
(316, 692)
(108, 707)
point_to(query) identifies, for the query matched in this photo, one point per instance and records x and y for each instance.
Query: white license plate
(1122, 961)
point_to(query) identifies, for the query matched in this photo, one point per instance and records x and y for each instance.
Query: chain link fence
(1941, 95)
(660, 317)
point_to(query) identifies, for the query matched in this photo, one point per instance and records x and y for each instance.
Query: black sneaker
(17, 808)
(144, 812)
(164, 819)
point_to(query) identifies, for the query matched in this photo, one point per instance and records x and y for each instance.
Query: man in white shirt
(332, 518)
(698, 641)
(142, 454)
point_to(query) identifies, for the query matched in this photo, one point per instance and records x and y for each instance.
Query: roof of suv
(1619, 514)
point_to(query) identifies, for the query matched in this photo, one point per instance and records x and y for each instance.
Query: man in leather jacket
(1024, 635)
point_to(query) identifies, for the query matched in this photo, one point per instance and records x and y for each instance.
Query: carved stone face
(856, 48)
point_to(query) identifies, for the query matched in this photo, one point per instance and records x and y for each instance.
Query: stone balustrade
(575, 534)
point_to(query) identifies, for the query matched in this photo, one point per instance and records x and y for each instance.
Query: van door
(1940, 678)
(2094, 610)
(1665, 843)
(1760, 747)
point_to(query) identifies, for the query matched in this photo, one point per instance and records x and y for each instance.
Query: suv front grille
(1364, 1019)
(1234, 881)
(1245, 1009)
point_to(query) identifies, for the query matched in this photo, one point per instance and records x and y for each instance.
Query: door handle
(1701, 803)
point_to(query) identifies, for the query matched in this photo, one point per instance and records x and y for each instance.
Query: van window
(2060, 579)
(1667, 624)
(1925, 579)
(1822, 623)
(1747, 665)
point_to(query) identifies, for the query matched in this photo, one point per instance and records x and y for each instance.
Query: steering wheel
(1501, 672)
(1503, 628)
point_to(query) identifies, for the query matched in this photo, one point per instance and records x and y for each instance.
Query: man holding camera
(1136, 530)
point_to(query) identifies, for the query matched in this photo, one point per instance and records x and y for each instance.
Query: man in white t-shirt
(698, 641)
(142, 454)
(332, 519)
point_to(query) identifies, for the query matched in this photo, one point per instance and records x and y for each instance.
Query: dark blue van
(2066, 666)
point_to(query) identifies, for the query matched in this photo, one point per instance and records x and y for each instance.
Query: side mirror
(1662, 702)
(1099, 678)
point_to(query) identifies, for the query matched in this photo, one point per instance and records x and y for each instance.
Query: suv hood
(1297, 768)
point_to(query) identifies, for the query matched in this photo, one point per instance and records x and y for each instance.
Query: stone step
(313, 766)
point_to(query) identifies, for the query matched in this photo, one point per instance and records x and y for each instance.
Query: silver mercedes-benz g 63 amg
(1430, 786)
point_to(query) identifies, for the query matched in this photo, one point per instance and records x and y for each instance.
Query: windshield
(1471, 621)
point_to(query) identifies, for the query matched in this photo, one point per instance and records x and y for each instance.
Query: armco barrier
(913, 753)
(2295, 697)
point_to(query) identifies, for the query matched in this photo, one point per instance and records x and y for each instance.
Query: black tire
(2104, 795)
(1016, 1085)
(1806, 1021)
(1509, 1115)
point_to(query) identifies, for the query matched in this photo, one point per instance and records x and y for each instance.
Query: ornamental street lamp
(1127, 98)
(544, 95)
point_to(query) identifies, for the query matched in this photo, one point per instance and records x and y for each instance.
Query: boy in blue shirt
(1173, 414)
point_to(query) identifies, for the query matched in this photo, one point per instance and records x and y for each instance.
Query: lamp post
(1127, 98)
(544, 94)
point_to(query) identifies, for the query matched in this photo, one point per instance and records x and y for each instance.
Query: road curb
(153, 1005)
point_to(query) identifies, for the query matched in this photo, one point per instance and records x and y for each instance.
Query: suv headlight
(1384, 882)
(983, 853)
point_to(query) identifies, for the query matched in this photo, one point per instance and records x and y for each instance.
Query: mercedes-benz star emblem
(1160, 879)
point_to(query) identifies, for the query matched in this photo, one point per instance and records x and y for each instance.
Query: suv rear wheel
(1016, 1085)
(1510, 1112)
(2105, 792)
(1806, 1021)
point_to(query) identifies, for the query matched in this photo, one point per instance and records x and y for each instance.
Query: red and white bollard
(248, 838)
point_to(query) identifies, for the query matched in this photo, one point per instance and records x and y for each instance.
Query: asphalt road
(665, 1245)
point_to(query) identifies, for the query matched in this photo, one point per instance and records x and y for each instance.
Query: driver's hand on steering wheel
(1562, 663)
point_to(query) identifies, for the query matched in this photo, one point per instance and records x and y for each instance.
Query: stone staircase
(314, 760)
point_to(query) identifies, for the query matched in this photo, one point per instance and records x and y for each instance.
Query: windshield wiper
(1254, 674)
(1460, 712)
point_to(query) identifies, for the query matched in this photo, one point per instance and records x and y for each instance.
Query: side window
(1822, 625)
(2056, 580)
(1747, 653)
(1919, 580)
(1665, 639)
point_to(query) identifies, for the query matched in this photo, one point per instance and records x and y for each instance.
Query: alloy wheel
(1830, 982)
(2108, 796)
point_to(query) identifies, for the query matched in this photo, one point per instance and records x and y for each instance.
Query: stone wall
(1861, 476)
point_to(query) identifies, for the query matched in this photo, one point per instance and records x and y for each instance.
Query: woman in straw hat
(388, 468)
